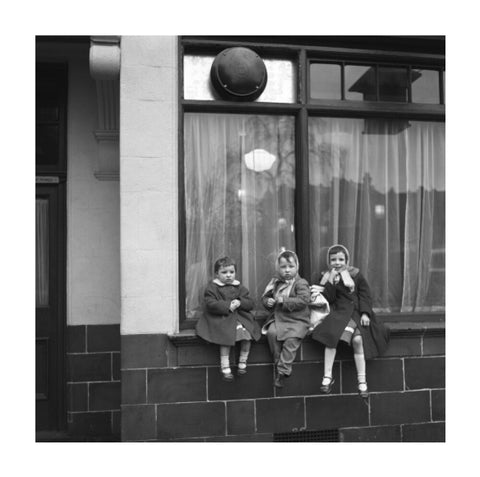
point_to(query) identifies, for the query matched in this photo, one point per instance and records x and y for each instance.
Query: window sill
(399, 329)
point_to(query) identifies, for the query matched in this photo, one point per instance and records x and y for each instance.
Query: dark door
(50, 229)
(49, 302)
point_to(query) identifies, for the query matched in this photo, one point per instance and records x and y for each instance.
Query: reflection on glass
(325, 81)
(393, 84)
(239, 198)
(425, 86)
(41, 252)
(360, 83)
(382, 194)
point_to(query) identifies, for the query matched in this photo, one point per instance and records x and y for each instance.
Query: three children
(228, 318)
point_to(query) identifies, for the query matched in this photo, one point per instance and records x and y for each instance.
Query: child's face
(287, 268)
(338, 260)
(226, 274)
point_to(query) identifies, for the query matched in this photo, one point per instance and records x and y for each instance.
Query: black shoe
(279, 380)
(241, 371)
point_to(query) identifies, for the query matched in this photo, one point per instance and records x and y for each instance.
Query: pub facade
(156, 155)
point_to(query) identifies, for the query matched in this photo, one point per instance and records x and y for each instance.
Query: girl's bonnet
(287, 254)
(346, 274)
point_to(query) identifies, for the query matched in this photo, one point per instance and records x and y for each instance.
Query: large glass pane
(425, 86)
(41, 255)
(378, 187)
(360, 83)
(393, 84)
(239, 197)
(325, 81)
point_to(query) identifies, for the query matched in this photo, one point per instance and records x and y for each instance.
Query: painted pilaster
(149, 184)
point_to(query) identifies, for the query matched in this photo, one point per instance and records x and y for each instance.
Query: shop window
(239, 197)
(379, 188)
(320, 157)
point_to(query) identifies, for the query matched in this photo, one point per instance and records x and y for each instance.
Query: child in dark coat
(288, 296)
(227, 317)
(351, 318)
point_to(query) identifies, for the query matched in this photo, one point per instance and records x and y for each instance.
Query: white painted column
(149, 184)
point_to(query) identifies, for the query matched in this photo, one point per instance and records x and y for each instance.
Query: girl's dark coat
(345, 305)
(292, 317)
(218, 324)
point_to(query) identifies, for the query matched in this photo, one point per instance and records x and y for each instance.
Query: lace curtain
(378, 187)
(239, 197)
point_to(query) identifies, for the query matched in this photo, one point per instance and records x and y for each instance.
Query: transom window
(375, 82)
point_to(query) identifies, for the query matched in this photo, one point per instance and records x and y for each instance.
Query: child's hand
(365, 320)
(270, 302)
(333, 273)
(234, 304)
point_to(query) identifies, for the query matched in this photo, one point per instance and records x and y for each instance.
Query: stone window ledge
(398, 329)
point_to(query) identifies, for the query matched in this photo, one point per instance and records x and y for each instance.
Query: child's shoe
(363, 389)
(242, 363)
(279, 380)
(227, 375)
(242, 368)
(327, 384)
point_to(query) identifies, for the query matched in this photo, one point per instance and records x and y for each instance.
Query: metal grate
(327, 435)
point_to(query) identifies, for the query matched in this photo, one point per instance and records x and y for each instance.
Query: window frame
(54, 74)
(317, 50)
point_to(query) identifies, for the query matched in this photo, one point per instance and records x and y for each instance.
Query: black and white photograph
(240, 245)
(240, 238)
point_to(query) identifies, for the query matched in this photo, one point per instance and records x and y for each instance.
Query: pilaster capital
(105, 57)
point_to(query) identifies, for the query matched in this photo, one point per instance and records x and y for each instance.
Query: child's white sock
(359, 359)
(328, 365)
(361, 370)
(225, 364)
(362, 382)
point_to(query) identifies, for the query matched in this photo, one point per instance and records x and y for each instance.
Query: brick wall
(172, 391)
(93, 381)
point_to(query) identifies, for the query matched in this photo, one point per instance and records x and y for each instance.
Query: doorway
(49, 305)
(50, 247)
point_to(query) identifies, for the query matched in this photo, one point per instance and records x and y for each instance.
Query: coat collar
(235, 283)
